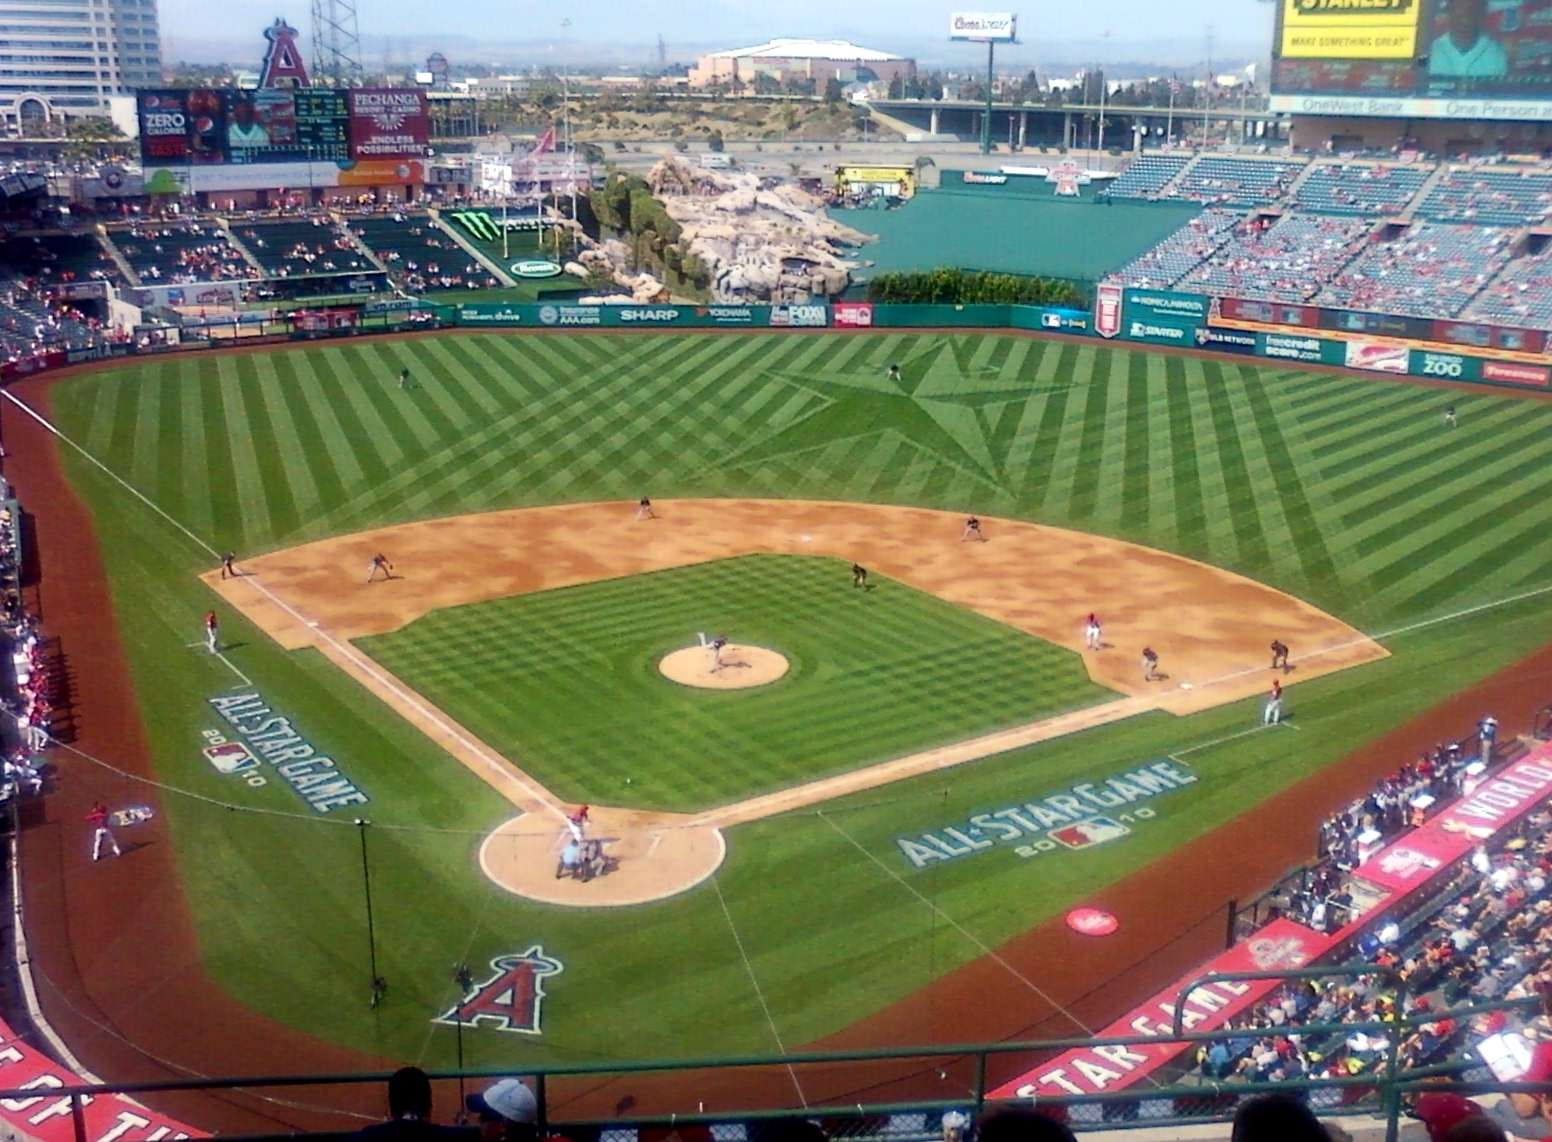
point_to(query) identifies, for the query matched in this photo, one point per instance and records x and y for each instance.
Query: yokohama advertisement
(388, 124)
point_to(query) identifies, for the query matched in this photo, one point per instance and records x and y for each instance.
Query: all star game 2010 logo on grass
(270, 736)
(1076, 819)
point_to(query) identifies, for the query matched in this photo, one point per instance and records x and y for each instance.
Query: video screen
(203, 126)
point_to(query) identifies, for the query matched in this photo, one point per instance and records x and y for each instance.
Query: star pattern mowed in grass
(565, 683)
(1341, 491)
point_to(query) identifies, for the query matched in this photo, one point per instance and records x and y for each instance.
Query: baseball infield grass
(1339, 490)
(566, 682)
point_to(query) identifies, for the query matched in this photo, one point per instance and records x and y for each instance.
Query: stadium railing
(914, 1081)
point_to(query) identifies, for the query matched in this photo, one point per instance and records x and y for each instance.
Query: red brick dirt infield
(120, 976)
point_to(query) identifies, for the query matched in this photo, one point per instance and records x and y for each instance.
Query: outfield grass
(1343, 491)
(566, 682)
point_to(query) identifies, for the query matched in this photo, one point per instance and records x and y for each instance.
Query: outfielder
(1091, 632)
(379, 563)
(98, 819)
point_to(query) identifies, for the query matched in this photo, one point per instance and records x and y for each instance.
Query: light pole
(379, 984)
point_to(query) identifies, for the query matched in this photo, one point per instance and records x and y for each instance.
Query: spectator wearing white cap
(507, 1110)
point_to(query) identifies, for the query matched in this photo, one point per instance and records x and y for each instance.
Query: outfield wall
(1293, 334)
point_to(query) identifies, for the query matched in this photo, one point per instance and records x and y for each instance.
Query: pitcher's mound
(742, 667)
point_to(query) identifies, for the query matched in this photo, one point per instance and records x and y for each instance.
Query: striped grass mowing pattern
(566, 682)
(1348, 492)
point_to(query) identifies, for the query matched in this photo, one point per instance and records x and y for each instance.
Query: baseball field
(798, 859)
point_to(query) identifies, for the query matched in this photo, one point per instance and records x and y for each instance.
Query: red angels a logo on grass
(510, 1000)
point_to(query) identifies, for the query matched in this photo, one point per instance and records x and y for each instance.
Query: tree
(832, 90)
(897, 88)
(591, 153)
(714, 141)
(88, 136)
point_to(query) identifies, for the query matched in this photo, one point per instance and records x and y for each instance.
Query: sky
(529, 31)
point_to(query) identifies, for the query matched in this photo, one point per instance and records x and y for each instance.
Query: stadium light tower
(336, 43)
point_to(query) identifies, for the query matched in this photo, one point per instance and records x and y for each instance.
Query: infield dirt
(1209, 627)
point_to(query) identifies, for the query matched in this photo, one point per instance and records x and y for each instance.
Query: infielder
(212, 633)
(1273, 713)
(1279, 656)
(644, 509)
(972, 530)
(1091, 632)
(229, 565)
(98, 819)
(379, 563)
(716, 652)
(859, 576)
(1150, 664)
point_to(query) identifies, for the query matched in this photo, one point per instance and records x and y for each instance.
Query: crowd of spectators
(1237, 182)
(419, 255)
(1360, 188)
(1432, 270)
(300, 248)
(1492, 197)
(32, 701)
(1180, 253)
(1521, 295)
(1287, 261)
(180, 253)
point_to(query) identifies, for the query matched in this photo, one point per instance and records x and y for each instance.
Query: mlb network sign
(983, 26)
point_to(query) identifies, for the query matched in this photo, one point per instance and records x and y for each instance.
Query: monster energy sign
(479, 224)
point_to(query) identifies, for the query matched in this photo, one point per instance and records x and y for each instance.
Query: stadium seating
(1351, 188)
(1493, 197)
(180, 252)
(1520, 296)
(1146, 177)
(419, 255)
(297, 248)
(1433, 270)
(1180, 253)
(1237, 182)
(1288, 261)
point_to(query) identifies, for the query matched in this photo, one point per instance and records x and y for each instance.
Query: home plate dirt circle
(741, 668)
(652, 856)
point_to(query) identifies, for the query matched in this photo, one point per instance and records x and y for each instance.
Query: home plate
(1185, 685)
(806, 538)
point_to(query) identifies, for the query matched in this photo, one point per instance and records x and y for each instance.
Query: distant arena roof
(808, 49)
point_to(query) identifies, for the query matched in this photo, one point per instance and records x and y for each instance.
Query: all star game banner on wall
(1422, 858)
